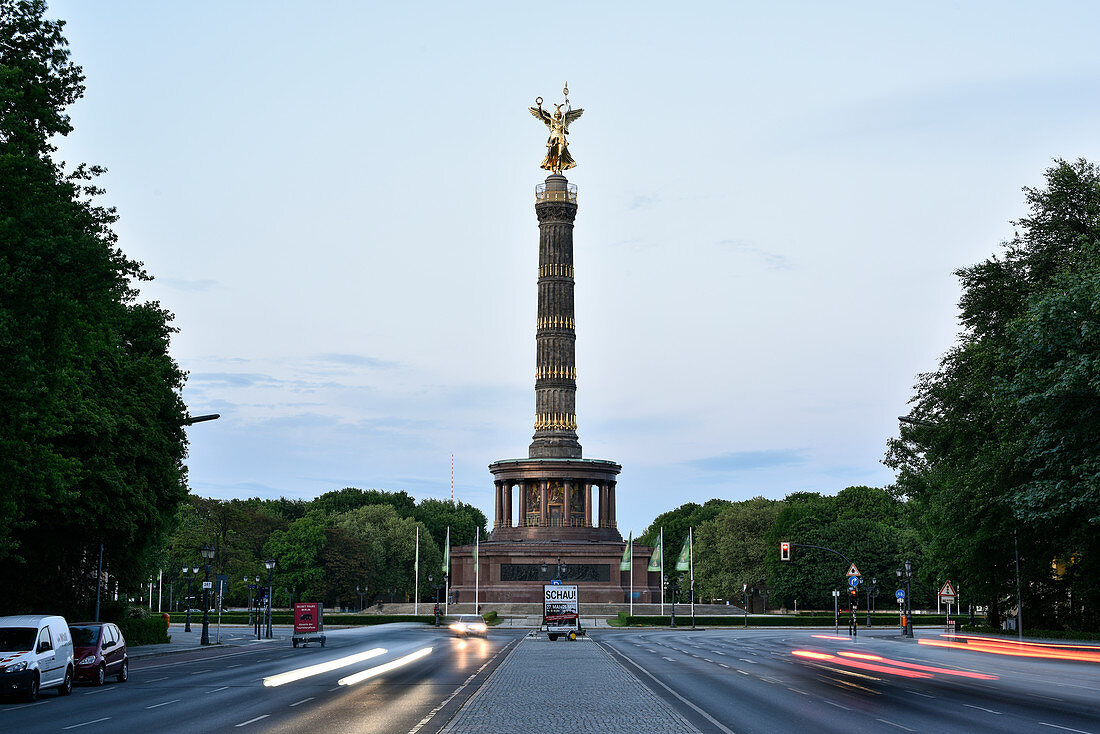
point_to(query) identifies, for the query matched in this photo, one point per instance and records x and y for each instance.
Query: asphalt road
(224, 689)
(720, 680)
(751, 681)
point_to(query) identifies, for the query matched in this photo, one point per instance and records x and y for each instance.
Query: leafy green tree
(389, 545)
(998, 454)
(676, 523)
(297, 552)
(463, 520)
(344, 500)
(864, 524)
(731, 548)
(91, 436)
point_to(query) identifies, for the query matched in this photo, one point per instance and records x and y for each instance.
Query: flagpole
(416, 575)
(447, 576)
(477, 576)
(662, 572)
(691, 567)
(631, 541)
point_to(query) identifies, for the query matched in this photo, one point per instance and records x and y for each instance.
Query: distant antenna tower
(452, 479)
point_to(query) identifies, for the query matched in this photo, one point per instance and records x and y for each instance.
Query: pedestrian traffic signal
(785, 551)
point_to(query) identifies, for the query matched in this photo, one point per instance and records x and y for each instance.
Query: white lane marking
(988, 711)
(1064, 728)
(918, 693)
(884, 721)
(105, 718)
(838, 705)
(158, 705)
(16, 708)
(723, 665)
(670, 660)
(246, 723)
(218, 689)
(297, 703)
(235, 665)
(745, 660)
(742, 672)
(200, 672)
(708, 660)
(99, 690)
(716, 652)
(698, 710)
(334, 689)
(154, 680)
(797, 691)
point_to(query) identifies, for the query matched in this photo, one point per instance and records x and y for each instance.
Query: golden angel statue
(557, 147)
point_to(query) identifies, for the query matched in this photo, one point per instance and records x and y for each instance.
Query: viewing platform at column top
(553, 190)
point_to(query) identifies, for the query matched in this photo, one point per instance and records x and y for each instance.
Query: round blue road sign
(900, 593)
(853, 581)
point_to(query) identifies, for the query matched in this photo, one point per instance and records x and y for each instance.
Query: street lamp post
(207, 553)
(259, 616)
(187, 615)
(269, 564)
(674, 589)
(251, 588)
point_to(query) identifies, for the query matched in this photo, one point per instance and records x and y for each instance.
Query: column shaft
(587, 489)
(507, 487)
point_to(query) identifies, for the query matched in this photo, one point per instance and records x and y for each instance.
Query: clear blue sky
(336, 201)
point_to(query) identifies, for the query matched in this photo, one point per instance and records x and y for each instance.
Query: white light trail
(292, 675)
(383, 668)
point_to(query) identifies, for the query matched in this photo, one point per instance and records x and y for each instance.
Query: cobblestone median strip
(565, 686)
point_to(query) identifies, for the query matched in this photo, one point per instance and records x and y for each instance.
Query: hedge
(684, 620)
(285, 617)
(149, 631)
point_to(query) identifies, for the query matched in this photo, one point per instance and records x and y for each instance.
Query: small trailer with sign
(560, 615)
(309, 624)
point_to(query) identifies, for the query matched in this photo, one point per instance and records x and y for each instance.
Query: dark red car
(99, 650)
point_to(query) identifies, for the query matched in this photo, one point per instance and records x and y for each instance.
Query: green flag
(447, 552)
(657, 559)
(683, 563)
(628, 553)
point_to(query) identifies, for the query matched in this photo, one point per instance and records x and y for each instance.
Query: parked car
(36, 652)
(100, 650)
(469, 624)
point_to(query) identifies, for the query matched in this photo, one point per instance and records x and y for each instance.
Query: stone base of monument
(515, 572)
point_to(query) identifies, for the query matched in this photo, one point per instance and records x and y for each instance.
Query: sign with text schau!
(559, 607)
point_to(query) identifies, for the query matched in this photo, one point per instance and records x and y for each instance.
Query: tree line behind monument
(998, 464)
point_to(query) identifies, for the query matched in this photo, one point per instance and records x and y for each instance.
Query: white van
(36, 652)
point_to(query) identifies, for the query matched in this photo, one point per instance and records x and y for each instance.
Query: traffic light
(785, 551)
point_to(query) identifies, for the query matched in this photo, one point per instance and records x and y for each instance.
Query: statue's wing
(571, 116)
(541, 114)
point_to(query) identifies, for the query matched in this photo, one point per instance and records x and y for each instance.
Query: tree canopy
(91, 436)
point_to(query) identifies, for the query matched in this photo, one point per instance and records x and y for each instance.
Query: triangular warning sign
(947, 590)
(853, 571)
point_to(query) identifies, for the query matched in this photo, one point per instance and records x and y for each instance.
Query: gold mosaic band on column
(556, 322)
(556, 373)
(555, 422)
(545, 271)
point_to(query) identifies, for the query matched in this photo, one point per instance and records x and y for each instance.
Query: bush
(285, 617)
(148, 631)
(684, 620)
(491, 617)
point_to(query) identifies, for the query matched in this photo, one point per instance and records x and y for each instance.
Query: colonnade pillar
(544, 510)
(587, 504)
(611, 522)
(567, 504)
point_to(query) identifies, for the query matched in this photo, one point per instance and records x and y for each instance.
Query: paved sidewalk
(231, 636)
(565, 686)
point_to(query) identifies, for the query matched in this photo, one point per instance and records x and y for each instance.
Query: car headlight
(477, 627)
(16, 667)
(458, 627)
(87, 660)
